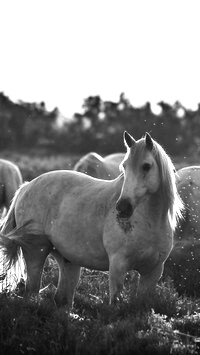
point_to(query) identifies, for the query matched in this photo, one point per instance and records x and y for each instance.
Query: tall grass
(160, 323)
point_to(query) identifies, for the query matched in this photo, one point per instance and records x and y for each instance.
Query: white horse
(117, 225)
(10, 180)
(188, 185)
(183, 264)
(102, 168)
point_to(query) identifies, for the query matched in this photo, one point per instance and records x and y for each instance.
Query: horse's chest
(146, 246)
(143, 231)
(144, 254)
(145, 260)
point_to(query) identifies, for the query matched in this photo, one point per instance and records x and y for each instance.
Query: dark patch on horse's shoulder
(125, 224)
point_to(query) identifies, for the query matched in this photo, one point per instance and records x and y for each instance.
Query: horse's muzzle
(124, 208)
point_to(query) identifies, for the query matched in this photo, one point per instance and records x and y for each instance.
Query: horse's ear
(128, 139)
(149, 141)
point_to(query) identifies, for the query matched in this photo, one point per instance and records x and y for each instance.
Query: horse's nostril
(124, 208)
(122, 205)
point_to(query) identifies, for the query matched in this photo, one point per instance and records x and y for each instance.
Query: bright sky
(62, 51)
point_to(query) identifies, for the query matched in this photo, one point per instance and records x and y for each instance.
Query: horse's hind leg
(35, 256)
(68, 279)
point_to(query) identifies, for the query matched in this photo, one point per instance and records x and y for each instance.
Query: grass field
(162, 323)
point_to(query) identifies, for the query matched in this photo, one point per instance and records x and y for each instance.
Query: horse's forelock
(135, 153)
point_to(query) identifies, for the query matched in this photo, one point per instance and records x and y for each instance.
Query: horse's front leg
(117, 270)
(148, 281)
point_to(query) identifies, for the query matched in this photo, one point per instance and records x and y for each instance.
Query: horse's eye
(146, 167)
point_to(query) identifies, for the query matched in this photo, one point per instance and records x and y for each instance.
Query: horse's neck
(115, 187)
(156, 207)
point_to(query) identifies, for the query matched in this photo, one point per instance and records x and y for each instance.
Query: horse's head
(141, 173)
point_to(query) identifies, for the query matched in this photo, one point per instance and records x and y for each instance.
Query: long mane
(172, 202)
(170, 195)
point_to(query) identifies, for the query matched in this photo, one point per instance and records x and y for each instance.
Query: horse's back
(114, 158)
(9, 170)
(189, 174)
(188, 182)
(52, 189)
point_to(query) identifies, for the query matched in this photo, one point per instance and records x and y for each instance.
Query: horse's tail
(10, 249)
(9, 223)
(10, 254)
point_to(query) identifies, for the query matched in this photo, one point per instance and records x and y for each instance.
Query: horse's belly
(83, 255)
(79, 243)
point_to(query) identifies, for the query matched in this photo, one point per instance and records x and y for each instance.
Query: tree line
(99, 127)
